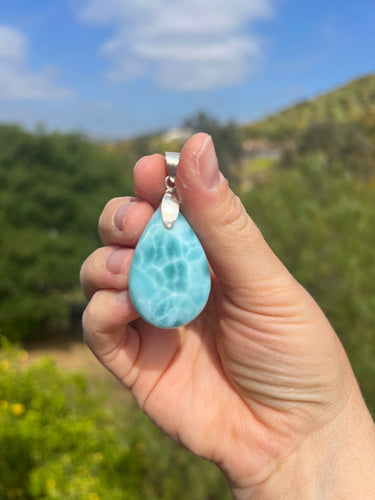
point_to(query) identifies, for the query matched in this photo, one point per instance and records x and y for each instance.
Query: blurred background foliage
(53, 187)
(59, 440)
(351, 103)
(306, 176)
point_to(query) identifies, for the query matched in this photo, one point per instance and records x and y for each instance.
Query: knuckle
(106, 217)
(108, 232)
(91, 272)
(103, 222)
(85, 278)
(87, 321)
(89, 326)
(83, 271)
(234, 215)
(91, 315)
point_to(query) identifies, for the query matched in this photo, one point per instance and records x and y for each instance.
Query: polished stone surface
(169, 281)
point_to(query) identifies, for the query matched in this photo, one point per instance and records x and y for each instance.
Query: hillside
(350, 103)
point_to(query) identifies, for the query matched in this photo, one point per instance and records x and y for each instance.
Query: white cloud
(16, 80)
(185, 44)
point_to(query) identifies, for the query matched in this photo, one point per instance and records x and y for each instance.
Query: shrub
(345, 146)
(60, 440)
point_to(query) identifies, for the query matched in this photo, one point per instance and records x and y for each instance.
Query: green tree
(53, 187)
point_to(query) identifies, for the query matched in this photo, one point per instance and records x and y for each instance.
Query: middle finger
(123, 221)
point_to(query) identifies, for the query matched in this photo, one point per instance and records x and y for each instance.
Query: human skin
(259, 383)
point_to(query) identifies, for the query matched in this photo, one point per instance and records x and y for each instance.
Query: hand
(259, 383)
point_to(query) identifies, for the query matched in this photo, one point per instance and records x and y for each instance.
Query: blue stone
(169, 280)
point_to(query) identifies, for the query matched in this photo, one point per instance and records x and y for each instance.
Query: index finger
(149, 176)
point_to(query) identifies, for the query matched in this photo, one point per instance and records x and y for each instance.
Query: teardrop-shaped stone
(169, 280)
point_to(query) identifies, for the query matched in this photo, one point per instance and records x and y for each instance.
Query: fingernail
(208, 164)
(120, 215)
(115, 260)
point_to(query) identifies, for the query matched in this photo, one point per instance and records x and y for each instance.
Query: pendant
(169, 280)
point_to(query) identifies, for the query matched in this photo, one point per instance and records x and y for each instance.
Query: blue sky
(115, 68)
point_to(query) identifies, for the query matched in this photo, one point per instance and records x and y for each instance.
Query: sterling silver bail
(170, 204)
(172, 160)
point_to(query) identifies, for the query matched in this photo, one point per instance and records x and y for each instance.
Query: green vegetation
(346, 150)
(53, 188)
(260, 165)
(354, 102)
(59, 441)
(315, 206)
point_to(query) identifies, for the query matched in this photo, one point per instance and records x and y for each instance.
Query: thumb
(235, 248)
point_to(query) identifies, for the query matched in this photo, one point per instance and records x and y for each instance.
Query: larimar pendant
(169, 280)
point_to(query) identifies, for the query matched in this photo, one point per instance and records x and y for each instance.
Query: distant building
(177, 134)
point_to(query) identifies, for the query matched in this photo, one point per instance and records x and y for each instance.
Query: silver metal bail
(172, 160)
(170, 205)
